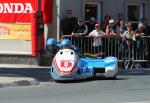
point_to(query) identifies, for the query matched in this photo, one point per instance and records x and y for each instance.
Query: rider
(66, 44)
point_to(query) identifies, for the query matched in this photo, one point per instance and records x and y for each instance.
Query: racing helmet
(65, 43)
(51, 42)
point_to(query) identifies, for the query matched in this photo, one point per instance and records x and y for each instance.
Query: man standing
(68, 23)
(80, 29)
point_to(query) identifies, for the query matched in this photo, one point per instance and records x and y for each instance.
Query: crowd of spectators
(108, 27)
(71, 25)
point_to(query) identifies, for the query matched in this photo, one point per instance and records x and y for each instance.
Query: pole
(58, 18)
(40, 34)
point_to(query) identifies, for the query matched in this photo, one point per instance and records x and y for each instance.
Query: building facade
(133, 11)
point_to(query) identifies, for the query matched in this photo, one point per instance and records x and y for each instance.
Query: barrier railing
(137, 50)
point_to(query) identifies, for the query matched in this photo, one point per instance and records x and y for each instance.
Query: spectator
(97, 34)
(111, 28)
(120, 18)
(129, 34)
(111, 33)
(91, 24)
(147, 32)
(80, 29)
(128, 41)
(122, 28)
(68, 23)
(106, 22)
(140, 44)
(144, 21)
(141, 30)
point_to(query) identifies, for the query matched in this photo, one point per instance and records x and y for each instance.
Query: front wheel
(113, 78)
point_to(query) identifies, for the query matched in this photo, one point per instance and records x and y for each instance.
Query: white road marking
(137, 102)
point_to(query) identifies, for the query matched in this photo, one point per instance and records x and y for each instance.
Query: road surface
(130, 87)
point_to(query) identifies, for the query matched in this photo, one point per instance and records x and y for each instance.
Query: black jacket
(67, 25)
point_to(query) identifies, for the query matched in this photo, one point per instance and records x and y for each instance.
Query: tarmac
(13, 75)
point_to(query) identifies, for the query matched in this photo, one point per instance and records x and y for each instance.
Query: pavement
(12, 75)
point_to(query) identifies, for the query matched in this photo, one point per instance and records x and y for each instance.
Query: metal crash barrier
(137, 50)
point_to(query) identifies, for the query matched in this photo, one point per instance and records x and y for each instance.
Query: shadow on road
(134, 72)
(41, 74)
(90, 80)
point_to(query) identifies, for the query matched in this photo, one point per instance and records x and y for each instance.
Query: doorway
(92, 9)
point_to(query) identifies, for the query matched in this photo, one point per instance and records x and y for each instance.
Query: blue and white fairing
(67, 65)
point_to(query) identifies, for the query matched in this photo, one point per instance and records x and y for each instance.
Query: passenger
(97, 34)
(68, 23)
(51, 50)
(51, 46)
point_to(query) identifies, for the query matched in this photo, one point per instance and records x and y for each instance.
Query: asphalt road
(130, 87)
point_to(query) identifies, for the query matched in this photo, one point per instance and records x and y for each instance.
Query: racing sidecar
(67, 65)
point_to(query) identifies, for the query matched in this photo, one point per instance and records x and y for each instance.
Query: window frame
(141, 11)
(99, 11)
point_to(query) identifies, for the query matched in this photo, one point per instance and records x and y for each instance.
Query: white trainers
(138, 66)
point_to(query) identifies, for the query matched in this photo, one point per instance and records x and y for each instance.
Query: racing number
(66, 63)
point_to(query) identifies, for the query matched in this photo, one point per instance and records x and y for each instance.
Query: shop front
(16, 22)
